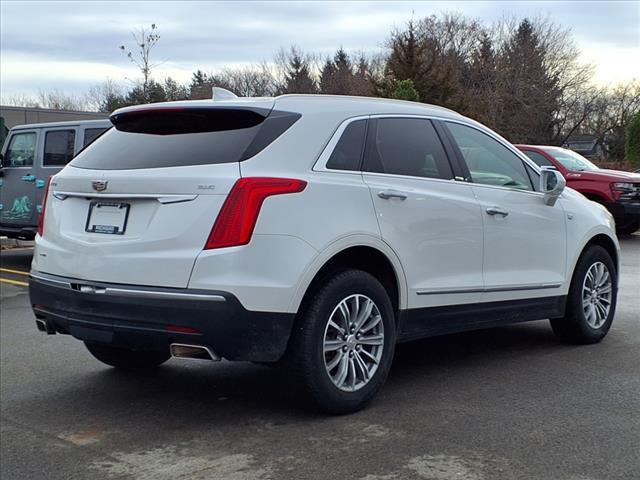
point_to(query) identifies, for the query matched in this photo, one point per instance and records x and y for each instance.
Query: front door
(524, 239)
(18, 181)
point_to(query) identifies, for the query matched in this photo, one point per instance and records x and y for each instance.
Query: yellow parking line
(14, 282)
(18, 272)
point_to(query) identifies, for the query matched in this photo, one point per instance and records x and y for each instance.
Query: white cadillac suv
(312, 231)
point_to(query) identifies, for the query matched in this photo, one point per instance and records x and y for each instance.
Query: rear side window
(58, 147)
(348, 151)
(538, 159)
(90, 134)
(407, 146)
(169, 137)
(22, 148)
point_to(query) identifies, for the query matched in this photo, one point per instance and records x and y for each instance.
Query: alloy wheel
(353, 342)
(596, 294)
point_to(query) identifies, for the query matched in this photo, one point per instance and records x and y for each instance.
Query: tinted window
(90, 134)
(538, 159)
(180, 138)
(406, 146)
(58, 147)
(348, 151)
(489, 162)
(21, 150)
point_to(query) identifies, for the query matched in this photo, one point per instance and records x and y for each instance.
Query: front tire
(343, 344)
(591, 303)
(125, 359)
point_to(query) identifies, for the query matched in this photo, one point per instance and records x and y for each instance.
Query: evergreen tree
(297, 77)
(406, 91)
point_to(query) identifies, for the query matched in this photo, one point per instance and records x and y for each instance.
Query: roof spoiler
(218, 93)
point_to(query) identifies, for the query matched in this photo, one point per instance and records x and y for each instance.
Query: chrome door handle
(387, 194)
(497, 211)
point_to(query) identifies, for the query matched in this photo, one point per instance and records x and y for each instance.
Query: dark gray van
(30, 155)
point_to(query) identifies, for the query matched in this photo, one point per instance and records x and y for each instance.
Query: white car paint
(444, 249)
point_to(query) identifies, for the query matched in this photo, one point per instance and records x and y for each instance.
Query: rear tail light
(44, 209)
(237, 218)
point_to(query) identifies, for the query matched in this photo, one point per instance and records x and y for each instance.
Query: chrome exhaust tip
(182, 350)
(43, 326)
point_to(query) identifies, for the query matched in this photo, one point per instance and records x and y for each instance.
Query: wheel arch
(362, 253)
(603, 240)
(608, 244)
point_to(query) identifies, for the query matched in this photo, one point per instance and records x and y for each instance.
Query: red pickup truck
(618, 191)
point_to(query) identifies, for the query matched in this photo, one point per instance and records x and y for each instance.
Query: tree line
(519, 77)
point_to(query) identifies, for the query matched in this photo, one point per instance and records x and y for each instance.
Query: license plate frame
(114, 210)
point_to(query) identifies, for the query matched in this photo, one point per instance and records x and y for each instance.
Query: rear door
(18, 202)
(431, 221)
(137, 206)
(524, 239)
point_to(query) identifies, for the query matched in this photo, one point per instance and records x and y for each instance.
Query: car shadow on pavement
(189, 394)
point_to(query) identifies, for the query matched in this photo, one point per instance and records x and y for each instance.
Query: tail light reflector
(237, 218)
(44, 209)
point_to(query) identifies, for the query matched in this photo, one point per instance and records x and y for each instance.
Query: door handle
(387, 194)
(497, 211)
(28, 178)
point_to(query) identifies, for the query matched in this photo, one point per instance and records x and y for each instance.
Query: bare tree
(250, 81)
(145, 39)
(105, 97)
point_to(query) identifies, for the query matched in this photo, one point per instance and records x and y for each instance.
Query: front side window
(348, 151)
(489, 162)
(407, 146)
(538, 159)
(21, 151)
(58, 147)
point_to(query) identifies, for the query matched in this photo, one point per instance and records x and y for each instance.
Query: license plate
(107, 217)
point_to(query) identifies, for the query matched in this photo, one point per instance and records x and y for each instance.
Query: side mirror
(552, 184)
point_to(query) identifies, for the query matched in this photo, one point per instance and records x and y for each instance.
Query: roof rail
(218, 93)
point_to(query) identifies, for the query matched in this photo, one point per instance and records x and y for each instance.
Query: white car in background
(315, 231)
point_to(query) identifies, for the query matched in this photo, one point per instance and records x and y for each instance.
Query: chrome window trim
(410, 177)
(321, 163)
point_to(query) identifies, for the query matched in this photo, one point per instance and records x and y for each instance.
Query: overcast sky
(72, 45)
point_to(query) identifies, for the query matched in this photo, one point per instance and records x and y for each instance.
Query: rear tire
(347, 326)
(125, 359)
(591, 303)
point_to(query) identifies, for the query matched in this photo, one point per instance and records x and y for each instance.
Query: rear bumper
(144, 318)
(23, 233)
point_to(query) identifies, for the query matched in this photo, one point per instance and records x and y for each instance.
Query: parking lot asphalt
(505, 403)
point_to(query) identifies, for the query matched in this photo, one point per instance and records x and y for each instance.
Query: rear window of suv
(173, 137)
